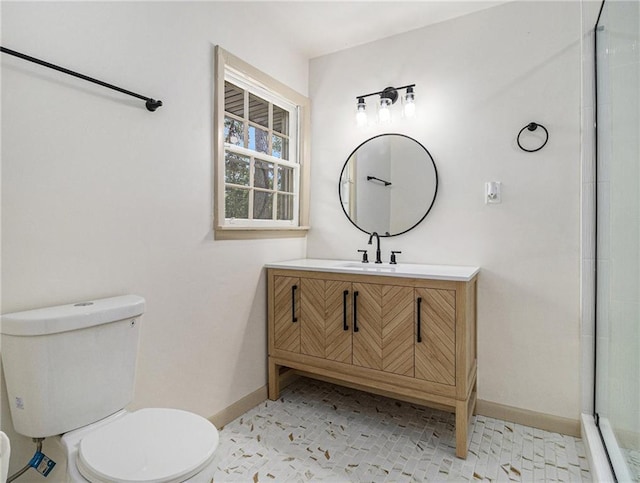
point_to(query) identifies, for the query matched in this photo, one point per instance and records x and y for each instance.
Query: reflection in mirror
(388, 184)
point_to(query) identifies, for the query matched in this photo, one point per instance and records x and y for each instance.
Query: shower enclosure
(617, 384)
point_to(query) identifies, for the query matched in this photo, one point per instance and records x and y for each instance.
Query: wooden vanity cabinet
(409, 338)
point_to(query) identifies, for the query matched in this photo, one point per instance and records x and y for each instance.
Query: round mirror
(388, 184)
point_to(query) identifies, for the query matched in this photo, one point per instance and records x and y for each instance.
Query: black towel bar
(151, 104)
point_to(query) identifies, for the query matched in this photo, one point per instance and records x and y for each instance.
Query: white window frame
(238, 72)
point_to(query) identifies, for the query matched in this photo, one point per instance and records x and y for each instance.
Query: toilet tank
(70, 365)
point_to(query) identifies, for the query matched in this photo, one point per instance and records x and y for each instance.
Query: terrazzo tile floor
(632, 458)
(322, 432)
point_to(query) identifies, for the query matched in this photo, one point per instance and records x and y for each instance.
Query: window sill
(253, 232)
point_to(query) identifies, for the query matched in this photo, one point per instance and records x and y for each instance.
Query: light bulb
(384, 113)
(361, 113)
(409, 103)
(410, 110)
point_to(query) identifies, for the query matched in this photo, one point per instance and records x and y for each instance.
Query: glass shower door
(618, 235)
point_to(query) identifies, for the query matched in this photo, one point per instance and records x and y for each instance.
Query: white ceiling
(322, 27)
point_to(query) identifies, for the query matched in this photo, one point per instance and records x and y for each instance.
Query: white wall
(101, 197)
(479, 80)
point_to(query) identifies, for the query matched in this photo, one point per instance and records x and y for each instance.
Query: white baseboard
(239, 407)
(248, 402)
(490, 409)
(548, 422)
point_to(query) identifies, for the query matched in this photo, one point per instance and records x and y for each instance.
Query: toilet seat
(149, 445)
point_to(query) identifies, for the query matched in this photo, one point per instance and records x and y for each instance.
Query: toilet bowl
(147, 445)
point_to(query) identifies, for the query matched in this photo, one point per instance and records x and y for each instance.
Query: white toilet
(70, 373)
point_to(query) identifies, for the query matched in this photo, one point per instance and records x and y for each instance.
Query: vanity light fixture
(388, 97)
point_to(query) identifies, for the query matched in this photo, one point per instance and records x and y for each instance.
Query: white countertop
(437, 272)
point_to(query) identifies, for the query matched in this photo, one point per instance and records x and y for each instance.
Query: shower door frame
(612, 450)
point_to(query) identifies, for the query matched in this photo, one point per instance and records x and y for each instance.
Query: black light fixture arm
(151, 104)
(389, 92)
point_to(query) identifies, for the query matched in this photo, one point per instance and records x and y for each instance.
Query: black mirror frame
(435, 192)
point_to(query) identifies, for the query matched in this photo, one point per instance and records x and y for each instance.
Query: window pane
(262, 205)
(258, 110)
(263, 175)
(236, 203)
(285, 207)
(280, 120)
(258, 140)
(233, 132)
(285, 179)
(280, 147)
(233, 99)
(236, 168)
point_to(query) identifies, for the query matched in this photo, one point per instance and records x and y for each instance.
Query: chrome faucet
(378, 255)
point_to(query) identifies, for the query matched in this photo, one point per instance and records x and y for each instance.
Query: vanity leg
(274, 380)
(462, 425)
(474, 399)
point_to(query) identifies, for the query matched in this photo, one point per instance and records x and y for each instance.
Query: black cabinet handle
(355, 311)
(345, 294)
(419, 335)
(293, 304)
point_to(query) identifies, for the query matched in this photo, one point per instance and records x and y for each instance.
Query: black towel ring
(532, 126)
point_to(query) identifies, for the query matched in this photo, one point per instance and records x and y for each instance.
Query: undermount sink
(369, 266)
(439, 272)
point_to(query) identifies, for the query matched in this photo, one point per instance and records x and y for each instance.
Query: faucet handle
(365, 257)
(393, 257)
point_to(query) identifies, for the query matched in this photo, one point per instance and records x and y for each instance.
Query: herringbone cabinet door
(312, 312)
(286, 331)
(367, 342)
(338, 310)
(398, 330)
(435, 355)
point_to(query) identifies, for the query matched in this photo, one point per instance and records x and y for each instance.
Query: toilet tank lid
(63, 318)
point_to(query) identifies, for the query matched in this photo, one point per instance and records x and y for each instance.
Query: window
(261, 155)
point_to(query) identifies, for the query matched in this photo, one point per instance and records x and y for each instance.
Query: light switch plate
(493, 192)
